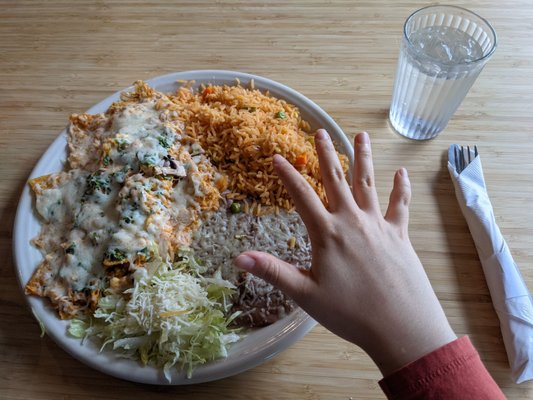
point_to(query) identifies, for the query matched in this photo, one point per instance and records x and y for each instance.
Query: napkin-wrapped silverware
(510, 296)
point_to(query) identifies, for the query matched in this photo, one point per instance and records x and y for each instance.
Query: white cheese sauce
(124, 207)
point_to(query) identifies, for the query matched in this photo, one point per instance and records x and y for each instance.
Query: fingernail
(363, 138)
(245, 262)
(277, 159)
(403, 172)
(322, 134)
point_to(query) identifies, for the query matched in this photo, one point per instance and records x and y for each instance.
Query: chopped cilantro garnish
(163, 142)
(115, 255)
(121, 144)
(98, 181)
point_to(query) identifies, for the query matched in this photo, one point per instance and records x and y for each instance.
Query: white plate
(258, 346)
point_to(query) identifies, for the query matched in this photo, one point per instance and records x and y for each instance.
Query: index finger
(337, 190)
(307, 202)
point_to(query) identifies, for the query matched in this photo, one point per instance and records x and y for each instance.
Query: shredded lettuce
(77, 328)
(41, 324)
(171, 317)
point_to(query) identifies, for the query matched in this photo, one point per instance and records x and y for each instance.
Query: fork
(463, 157)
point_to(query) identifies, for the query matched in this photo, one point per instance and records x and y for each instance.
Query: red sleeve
(453, 371)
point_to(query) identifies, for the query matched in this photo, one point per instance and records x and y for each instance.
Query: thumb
(281, 274)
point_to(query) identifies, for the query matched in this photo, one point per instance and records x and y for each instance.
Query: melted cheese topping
(135, 190)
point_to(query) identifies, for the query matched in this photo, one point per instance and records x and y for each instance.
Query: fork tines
(463, 157)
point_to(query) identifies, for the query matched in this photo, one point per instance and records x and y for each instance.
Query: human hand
(366, 283)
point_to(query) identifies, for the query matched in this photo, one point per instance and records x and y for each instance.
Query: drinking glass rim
(476, 61)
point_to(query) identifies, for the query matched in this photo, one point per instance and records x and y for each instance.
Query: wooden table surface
(61, 57)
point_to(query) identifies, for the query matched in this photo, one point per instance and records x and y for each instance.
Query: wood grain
(60, 57)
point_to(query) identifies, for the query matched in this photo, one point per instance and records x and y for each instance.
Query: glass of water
(443, 50)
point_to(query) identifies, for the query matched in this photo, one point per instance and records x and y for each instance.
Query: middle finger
(364, 189)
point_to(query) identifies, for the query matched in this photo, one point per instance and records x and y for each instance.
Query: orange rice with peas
(241, 129)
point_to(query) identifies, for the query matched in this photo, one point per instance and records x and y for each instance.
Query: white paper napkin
(510, 296)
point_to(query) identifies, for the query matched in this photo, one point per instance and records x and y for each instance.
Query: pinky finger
(400, 197)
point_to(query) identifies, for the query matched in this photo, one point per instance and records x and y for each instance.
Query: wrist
(408, 345)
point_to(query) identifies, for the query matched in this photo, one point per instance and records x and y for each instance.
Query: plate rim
(300, 324)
